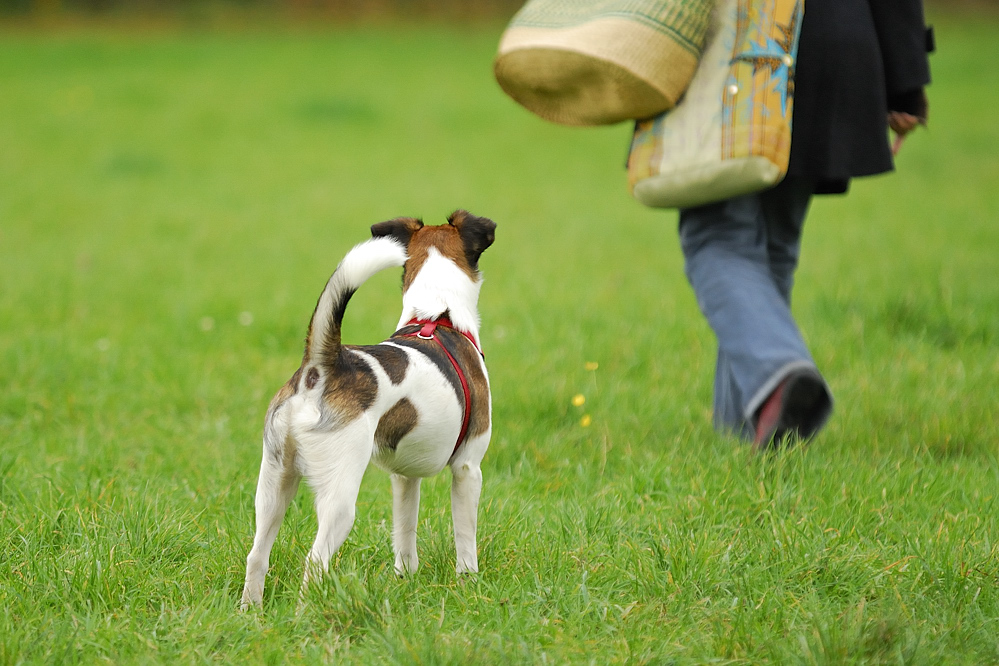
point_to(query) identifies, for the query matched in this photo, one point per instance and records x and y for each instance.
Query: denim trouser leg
(740, 259)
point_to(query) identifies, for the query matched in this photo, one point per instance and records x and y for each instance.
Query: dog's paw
(406, 565)
(253, 597)
(467, 564)
(467, 575)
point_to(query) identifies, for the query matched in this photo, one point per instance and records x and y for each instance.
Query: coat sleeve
(904, 41)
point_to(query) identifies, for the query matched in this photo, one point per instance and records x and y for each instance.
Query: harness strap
(428, 331)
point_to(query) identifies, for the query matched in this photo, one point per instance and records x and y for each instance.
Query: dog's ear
(477, 233)
(401, 229)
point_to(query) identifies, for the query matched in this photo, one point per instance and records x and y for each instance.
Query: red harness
(428, 331)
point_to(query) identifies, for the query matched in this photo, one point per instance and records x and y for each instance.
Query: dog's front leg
(405, 515)
(276, 487)
(466, 485)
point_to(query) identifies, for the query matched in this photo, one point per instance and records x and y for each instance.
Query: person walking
(862, 67)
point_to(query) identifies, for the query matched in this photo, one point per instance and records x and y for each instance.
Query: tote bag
(731, 133)
(598, 62)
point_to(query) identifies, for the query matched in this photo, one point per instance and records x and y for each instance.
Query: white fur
(441, 286)
(302, 437)
(419, 453)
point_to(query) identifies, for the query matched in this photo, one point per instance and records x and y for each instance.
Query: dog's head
(462, 240)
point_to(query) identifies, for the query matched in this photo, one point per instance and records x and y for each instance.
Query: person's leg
(727, 402)
(744, 294)
(800, 403)
(784, 209)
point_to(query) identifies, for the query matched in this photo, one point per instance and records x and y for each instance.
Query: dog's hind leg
(335, 467)
(276, 487)
(405, 514)
(466, 485)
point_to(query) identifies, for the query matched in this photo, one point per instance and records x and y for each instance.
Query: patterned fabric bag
(601, 61)
(731, 133)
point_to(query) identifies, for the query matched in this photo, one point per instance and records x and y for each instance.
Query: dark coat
(857, 59)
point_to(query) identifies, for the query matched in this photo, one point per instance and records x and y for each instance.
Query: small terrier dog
(413, 404)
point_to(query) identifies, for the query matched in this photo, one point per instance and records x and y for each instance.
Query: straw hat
(601, 62)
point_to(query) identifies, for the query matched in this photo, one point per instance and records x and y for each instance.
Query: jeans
(740, 256)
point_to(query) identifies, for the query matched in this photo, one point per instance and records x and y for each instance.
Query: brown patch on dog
(311, 377)
(462, 240)
(446, 240)
(291, 384)
(393, 360)
(468, 358)
(351, 385)
(395, 424)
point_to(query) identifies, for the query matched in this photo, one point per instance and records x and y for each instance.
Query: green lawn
(171, 204)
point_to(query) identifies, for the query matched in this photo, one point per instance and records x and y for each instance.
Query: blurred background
(221, 10)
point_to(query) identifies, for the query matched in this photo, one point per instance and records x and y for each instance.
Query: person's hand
(901, 123)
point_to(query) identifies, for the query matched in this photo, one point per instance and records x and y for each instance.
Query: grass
(170, 206)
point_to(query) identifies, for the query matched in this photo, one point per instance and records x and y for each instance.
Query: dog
(412, 404)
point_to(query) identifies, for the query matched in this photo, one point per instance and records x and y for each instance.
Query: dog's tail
(323, 341)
